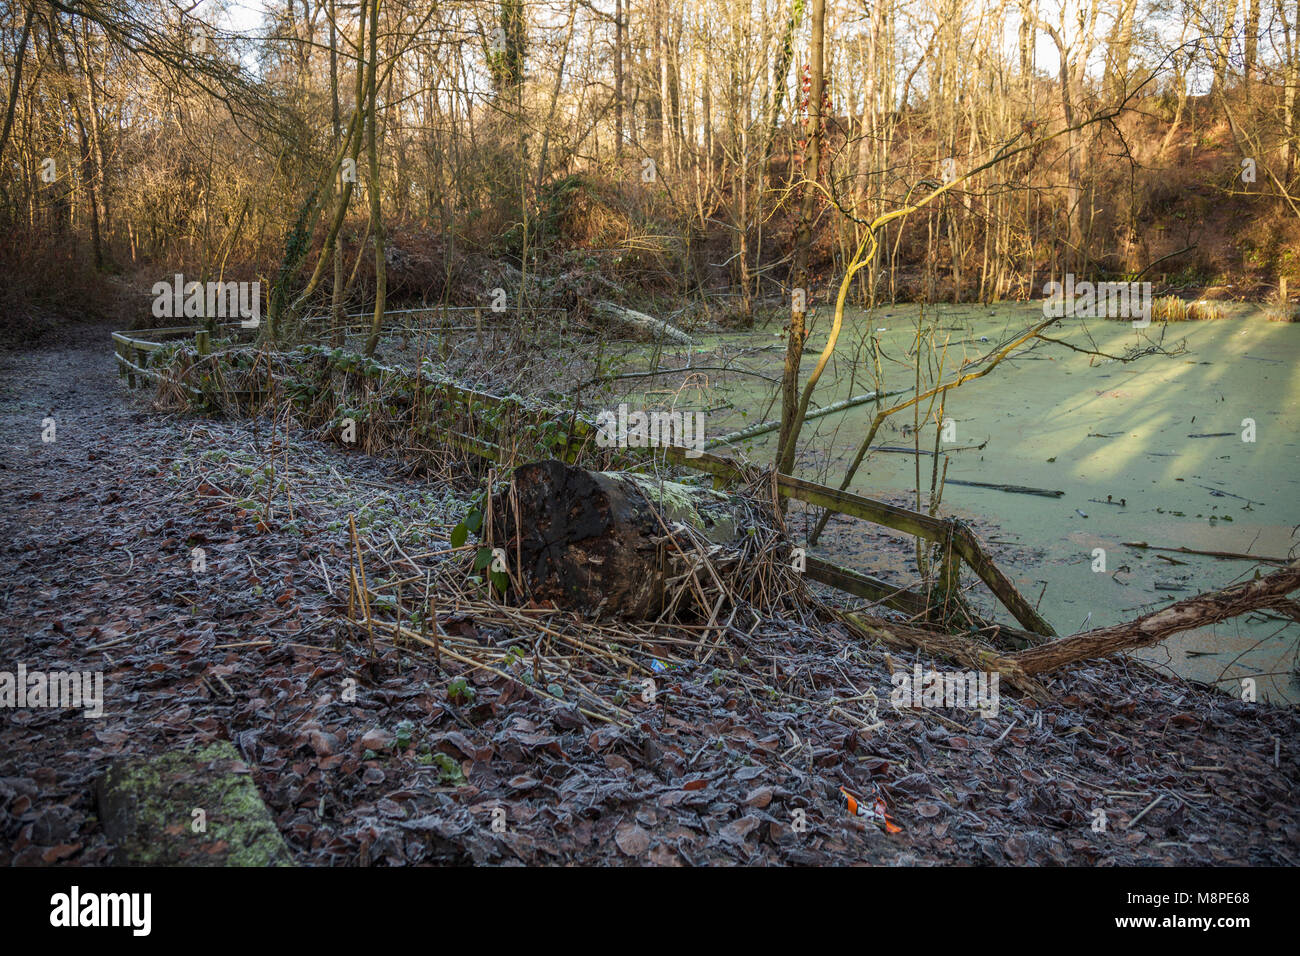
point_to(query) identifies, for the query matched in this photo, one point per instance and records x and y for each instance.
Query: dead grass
(1278, 309)
(1170, 308)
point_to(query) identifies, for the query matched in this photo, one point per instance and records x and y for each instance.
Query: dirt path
(96, 536)
(56, 593)
(96, 574)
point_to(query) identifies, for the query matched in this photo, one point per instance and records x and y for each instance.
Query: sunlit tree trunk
(803, 241)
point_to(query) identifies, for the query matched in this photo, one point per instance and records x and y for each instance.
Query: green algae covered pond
(1155, 450)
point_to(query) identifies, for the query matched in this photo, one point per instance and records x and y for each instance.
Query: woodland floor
(95, 537)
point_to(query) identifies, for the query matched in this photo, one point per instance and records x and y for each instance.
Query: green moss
(148, 810)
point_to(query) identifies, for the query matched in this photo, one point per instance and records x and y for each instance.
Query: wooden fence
(957, 543)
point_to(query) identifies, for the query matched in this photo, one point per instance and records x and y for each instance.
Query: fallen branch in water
(1022, 669)
(1259, 594)
(900, 450)
(1230, 555)
(762, 428)
(1013, 489)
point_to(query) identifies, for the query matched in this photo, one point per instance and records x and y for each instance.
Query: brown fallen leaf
(467, 746)
(632, 840)
(375, 739)
(736, 831)
(1016, 849)
(663, 855)
(324, 744)
(602, 737)
(60, 852)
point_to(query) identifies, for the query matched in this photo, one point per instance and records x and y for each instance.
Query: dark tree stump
(588, 540)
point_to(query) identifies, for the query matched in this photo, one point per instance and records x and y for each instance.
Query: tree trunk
(618, 81)
(587, 540)
(336, 291)
(1252, 41)
(16, 85)
(803, 243)
(373, 187)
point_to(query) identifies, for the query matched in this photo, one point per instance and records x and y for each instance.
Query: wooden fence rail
(953, 535)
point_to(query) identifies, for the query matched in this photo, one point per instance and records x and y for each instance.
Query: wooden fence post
(949, 583)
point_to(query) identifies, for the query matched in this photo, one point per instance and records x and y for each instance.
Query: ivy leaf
(449, 771)
(483, 558)
(458, 535)
(474, 520)
(500, 580)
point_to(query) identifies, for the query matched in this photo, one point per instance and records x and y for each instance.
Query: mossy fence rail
(956, 542)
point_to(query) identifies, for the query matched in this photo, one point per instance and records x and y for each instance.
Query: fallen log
(1227, 555)
(1013, 489)
(1022, 670)
(1263, 593)
(657, 328)
(623, 543)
